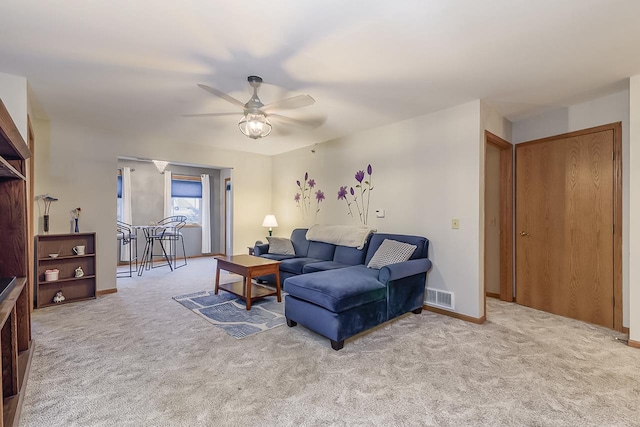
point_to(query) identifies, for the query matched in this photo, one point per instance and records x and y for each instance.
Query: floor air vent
(439, 298)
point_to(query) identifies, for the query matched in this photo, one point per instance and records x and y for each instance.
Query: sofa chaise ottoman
(340, 303)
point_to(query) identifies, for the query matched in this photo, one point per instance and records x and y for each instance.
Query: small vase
(45, 226)
(76, 230)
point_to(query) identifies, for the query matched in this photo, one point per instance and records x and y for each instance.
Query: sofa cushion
(322, 266)
(391, 252)
(338, 290)
(320, 250)
(349, 256)
(280, 246)
(276, 257)
(300, 242)
(295, 265)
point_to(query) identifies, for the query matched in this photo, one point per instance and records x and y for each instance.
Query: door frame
(30, 210)
(506, 215)
(617, 206)
(227, 183)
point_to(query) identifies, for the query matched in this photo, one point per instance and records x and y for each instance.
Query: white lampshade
(270, 221)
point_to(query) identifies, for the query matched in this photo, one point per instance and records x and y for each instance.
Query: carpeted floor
(137, 358)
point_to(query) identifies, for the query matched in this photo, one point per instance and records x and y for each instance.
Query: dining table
(152, 233)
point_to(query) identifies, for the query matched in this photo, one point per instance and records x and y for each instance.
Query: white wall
(13, 92)
(426, 171)
(634, 209)
(600, 111)
(78, 164)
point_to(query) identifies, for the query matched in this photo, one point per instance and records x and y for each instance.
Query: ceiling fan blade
(289, 103)
(312, 122)
(222, 95)
(210, 114)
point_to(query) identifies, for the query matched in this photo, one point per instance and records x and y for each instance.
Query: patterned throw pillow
(391, 252)
(280, 246)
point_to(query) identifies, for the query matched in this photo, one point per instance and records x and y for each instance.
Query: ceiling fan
(255, 122)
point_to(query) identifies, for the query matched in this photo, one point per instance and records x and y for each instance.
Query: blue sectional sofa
(310, 256)
(331, 291)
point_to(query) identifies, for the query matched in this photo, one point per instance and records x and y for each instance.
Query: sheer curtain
(168, 208)
(205, 210)
(127, 215)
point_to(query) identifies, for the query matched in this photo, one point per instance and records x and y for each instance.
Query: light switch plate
(455, 223)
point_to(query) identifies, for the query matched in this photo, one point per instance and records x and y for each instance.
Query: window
(119, 213)
(186, 198)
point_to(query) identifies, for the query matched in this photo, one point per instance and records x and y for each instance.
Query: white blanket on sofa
(343, 235)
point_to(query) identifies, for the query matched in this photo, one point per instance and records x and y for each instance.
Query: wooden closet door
(564, 226)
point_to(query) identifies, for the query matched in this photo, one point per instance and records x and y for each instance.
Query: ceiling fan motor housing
(254, 81)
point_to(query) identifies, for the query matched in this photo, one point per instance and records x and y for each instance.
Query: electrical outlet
(455, 223)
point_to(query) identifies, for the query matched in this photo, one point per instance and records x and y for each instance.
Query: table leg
(165, 254)
(278, 285)
(145, 255)
(217, 280)
(248, 290)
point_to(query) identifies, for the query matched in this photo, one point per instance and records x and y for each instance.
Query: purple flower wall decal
(303, 196)
(365, 194)
(342, 193)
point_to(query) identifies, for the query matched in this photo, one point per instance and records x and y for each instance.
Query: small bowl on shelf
(53, 255)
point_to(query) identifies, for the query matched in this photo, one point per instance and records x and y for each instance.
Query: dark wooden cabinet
(73, 288)
(15, 304)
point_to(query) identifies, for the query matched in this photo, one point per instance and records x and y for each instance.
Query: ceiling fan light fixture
(255, 125)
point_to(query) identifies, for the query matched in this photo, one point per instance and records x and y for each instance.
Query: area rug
(228, 312)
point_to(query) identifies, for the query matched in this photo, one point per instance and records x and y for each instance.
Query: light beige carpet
(137, 358)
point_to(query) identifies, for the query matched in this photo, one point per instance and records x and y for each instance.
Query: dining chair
(126, 235)
(172, 234)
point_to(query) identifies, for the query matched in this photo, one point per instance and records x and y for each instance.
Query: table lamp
(270, 221)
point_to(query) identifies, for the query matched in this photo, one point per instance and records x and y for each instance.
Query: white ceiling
(134, 65)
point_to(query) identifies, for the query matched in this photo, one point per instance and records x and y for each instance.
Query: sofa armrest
(261, 249)
(404, 269)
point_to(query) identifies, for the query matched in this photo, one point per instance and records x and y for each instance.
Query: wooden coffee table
(248, 266)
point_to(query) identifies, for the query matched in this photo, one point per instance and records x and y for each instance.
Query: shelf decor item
(75, 214)
(58, 297)
(46, 199)
(51, 275)
(79, 272)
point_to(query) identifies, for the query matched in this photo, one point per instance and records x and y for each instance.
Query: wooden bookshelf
(73, 288)
(15, 307)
